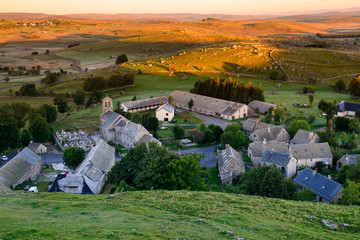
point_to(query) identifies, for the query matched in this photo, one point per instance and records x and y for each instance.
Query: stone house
(260, 107)
(26, 165)
(165, 113)
(116, 128)
(326, 190)
(230, 165)
(251, 125)
(303, 137)
(209, 105)
(256, 150)
(282, 161)
(144, 104)
(37, 148)
(348, 159)
(277, 134)
(347, 109)
(309, 154)
(90, 176)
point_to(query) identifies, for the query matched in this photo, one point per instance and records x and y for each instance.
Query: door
(166, 119)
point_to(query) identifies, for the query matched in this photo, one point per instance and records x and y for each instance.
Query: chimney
(264, 141)
(272, 151)
(313, 172)
(329, 176)
(31, 141)
(227, 145)
(347, 158)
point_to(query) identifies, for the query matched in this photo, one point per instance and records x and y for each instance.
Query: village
(298, 156)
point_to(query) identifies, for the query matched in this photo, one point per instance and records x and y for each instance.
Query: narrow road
(76, 64)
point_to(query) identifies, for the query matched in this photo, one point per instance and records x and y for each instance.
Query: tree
(330, 108)
(355, 125)
(134, 98)
(48, 112)
(295, 125)
(150, 122)
(40, 130)
(60, 101)
(234, 136)
(94, 84)
(357, 113)
(202, 127)
(50, 78)
(354, 87)
(121, 59)
(217, 130)
(311, 99)
(276, 75)
(9, 136)
(28, 90)
(25, 137)
(20, 111)
(178, 131)
(351, 193)
(191, 103)
(79, 98)
(340, 85)
(342, 124)
(209, 136)
(73, 156)
(185, 173)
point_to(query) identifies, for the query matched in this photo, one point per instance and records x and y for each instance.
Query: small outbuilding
(165, 113)
(348, 159)
(37, 148)
(230, 165)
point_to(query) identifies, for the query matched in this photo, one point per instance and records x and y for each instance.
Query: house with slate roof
(260, 107)
(256, 150)
(144, 104)
(209, 105)
(303, 137)
(348, 159)
(165, 113)
(230, 165)
(326, 190)
(282, 161)
(37, 148)
(311, 153)
(26, 165)
(116, 128)
(276, 133)
(251, 125)
(90, 176)
(347, 109)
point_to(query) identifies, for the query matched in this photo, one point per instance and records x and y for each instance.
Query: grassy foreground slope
(155, 215)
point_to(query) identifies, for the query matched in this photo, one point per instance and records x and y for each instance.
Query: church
(120, 130)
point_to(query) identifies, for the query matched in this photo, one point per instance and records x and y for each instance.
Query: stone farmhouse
(348, 159)
(230, 165)
(303, 137)
(251, 125)
(256, 150)
(282, 161)
(260, 107)
(347, 109)
(277, 134)
(26, 165)
(90, 176)
(165, 113)
(326, 190)
(37, 148)
(144, 104)
(311, 153)
(116, 128)
(209, 105)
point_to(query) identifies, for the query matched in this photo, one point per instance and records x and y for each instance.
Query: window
(311, 160)
(167, 114)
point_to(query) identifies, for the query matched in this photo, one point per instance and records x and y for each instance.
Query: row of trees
(229, 90)
(154, 167)
(99, 83)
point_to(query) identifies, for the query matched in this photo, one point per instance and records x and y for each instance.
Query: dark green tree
(73, 156)
(94, 84)
(28, 90)
(178, 131)
(150, 122)
(26, 137)
(217, 130)
(354, 87)
(191, 103)
(234, 136)
(311, 100)
(79, 98)
(121, 59)
(340, 85)
(351, 192)
(209, 136)
(50, 78)
(342, 124)
(295, 125)
(60, 101)
(48, 112)
(40, 130)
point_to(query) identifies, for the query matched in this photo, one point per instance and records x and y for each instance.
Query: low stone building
(37, 148)
(256, 150)
(282, 161)
(251, 125)
(348, 159)
(260, 107)
(144, 104)
(230, 165)
(209, 105)
(90, 176)
(25, 166)
(309, 154)
(303, 137)
(326, 190)
(277, 134)
(165, 113)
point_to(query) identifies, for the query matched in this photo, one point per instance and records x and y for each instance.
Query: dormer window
(323, 187)
(306, 178)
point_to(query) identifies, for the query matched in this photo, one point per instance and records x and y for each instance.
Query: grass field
(155, 215)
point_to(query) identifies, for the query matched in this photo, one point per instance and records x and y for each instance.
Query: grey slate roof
(319, 184)
(277, 158)
(145, 102)
(206, 103)
(311, 151)
(346, 106)
(17, 167)
(258, 148)
(276, 133)
(167, 107)
(108, 118)
(261, 106)
(34, 146)
(252, 125)
(352, 158)
(302, 137)
(228, 155)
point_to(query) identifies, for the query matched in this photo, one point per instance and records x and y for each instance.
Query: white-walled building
(165, 113)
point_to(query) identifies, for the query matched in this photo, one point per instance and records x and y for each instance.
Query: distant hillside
(170, 215)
